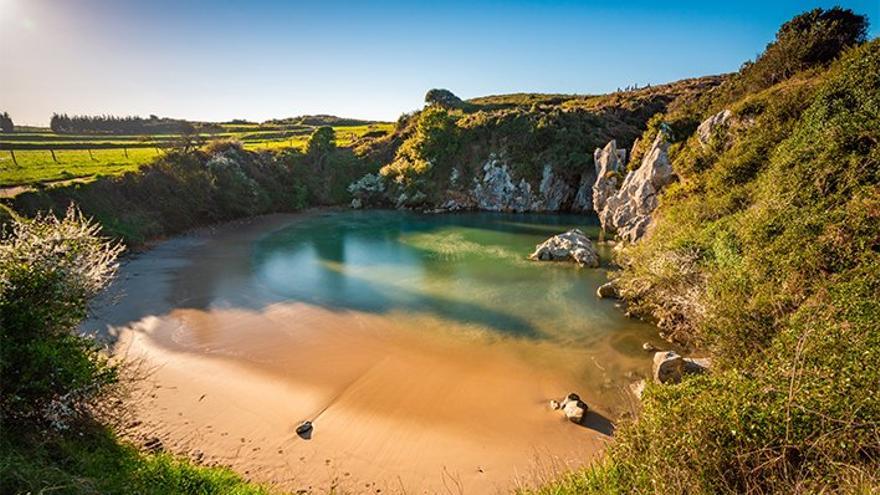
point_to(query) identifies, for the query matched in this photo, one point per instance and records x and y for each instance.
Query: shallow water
(466, 275)
(419, 345)
(468, 269)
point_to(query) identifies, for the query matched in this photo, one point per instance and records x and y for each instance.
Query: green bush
(53, 380)
(49, 269)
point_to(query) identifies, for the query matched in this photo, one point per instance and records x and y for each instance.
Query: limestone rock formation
(583, 199)
(555, 191)
(697, 365)
(628, 210)
(573, 245)
(497, 190)
(708, 127)
(609, 162)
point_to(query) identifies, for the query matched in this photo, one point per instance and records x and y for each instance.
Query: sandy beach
(398, 404)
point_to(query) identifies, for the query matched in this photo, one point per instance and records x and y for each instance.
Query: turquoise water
(470, 270)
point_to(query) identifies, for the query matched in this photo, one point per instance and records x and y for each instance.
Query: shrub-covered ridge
(766, 253)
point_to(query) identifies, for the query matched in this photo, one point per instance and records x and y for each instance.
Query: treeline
(6, 124)
(110, 124)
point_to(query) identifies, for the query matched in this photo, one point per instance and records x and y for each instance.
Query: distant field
(90, 155)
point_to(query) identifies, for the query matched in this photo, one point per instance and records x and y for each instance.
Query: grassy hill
(46, 156)
(766, 253)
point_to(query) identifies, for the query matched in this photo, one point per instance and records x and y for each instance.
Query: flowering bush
(49, 269)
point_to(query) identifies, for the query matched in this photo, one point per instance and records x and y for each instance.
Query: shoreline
(380, 423)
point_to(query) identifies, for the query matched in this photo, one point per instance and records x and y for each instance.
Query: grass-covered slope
(220, 182)
(767, 254)
(28, 157)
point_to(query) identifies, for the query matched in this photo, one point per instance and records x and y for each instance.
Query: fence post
(53, 155)
(90, 155)
(126, 152)
(11, 152)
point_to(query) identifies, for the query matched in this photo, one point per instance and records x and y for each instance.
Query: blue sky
(218, 60)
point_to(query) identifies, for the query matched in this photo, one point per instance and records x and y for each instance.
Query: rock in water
(647, 346)
(608, 289)
(574, 408)
(555, 405)
(668, 367)
(573, 245)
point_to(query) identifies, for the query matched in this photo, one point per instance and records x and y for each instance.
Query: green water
(470, 270)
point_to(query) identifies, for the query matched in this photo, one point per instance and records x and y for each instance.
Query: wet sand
(400, 403)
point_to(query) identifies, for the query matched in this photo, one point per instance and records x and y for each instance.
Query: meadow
(42, 156)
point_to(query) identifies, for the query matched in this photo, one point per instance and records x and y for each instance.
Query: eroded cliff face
(497, 188)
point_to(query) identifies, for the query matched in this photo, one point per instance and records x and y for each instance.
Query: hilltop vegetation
(766, 252)
(526, 132)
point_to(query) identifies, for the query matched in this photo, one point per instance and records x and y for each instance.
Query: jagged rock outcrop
(497, 191)
(583, 199)
(573, 245)
(628, 210)
(710, 126)
(555, 191)
(609, 162)
(668, 367)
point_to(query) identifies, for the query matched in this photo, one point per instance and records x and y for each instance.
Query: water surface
(422, 347)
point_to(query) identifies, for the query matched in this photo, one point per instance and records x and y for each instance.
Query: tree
(811, 39)
(443, 98)
(189, 139)
(321, 142)
(6, 124)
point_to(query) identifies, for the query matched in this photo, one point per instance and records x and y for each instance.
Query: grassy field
(90, 155)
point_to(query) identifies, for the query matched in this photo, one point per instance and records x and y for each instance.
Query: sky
(216, 60)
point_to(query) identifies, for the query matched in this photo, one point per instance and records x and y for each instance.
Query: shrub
(443, 98)
(6, 124)
(49, 269)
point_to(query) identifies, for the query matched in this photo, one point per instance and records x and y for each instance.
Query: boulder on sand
(574, 408)
(573, 245)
